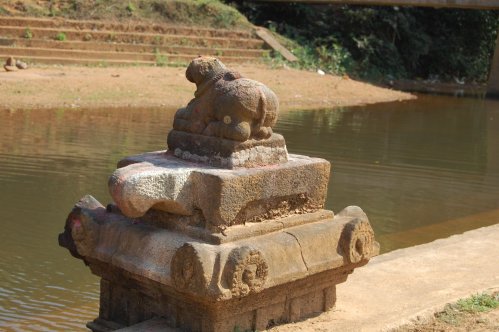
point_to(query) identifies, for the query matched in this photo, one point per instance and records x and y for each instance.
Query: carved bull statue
(226, 105)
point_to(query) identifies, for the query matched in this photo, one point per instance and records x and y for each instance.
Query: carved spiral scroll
(246, 271)
(357, 240)
(187, 270)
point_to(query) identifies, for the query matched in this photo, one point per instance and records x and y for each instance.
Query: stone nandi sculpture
(226, 105)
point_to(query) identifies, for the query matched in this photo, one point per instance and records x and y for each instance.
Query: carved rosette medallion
(357, 240)
(246, 271)
(187, 271)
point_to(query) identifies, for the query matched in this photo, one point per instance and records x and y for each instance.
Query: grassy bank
(479, 312)
(203, 13)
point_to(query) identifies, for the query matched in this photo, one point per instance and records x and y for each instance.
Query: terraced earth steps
(133, 38)
(138, 48)
(92, 42)
(101, 55)
(58, 23)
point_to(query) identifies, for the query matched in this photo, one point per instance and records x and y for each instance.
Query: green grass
(28, 34)
(61, 36)
(479, 303)
(453, 313)
(161, 59)
(204, 13)
(178, 64)
(130, 8)
(333, 59)
(158, 40)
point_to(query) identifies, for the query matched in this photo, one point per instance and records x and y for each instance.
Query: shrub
(28, 34)
(61, 36)
(401, 42)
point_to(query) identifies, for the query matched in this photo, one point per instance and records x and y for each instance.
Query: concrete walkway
(412, 283)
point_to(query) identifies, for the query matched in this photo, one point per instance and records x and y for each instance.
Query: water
(421, 170)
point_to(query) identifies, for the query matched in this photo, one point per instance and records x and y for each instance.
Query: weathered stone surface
(226, 153)
(226, 105)
(213, 271)
(10, 64)
(229, 122)
(280, 276)
(224, 197)
(21, 64)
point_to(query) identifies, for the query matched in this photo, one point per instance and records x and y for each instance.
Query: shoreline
(55, 87)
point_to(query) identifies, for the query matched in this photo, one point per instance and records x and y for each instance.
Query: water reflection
(421, 170)
(408, 165)
(49, 159)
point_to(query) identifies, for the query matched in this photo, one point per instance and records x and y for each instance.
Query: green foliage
(205, 13)
(479, 303)
(333, 59)
(28, 34)
(177, 64)
(161, 59)
(61, 36)
(398, 42)
(450, 315)
(330, 58)
(130, 8)
(211, 13)
(453, 313)
(158, 40)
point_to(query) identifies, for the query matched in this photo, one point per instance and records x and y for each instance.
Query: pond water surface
(421, 170)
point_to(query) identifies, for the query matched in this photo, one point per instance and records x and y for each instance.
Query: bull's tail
(259, 128)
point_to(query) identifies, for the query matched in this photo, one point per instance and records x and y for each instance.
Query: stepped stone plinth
(222, 231)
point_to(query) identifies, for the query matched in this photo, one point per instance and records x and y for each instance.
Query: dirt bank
(454, 318)
(166, 87)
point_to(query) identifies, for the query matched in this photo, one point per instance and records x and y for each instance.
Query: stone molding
(215, 272)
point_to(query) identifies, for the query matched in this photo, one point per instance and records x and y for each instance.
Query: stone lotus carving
(357, 238)
(226, 105)
(246, 271)
(187, 270)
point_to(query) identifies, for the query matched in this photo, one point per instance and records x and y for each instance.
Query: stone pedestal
(213, 249)
(217, 234)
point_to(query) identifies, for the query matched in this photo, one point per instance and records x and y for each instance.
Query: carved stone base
(262, 274)
(225, 153)
(122, 305)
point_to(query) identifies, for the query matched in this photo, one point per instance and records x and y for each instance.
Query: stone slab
(218, 198)
(226, 153)
(274, 43)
